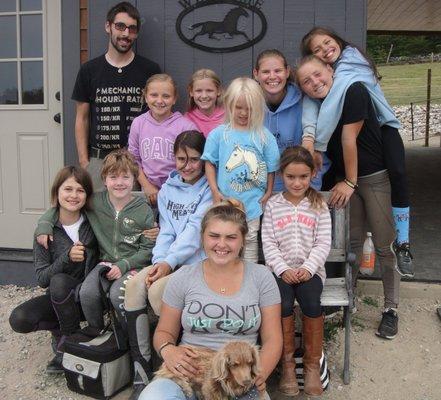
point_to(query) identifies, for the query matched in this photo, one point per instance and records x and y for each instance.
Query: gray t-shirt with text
(210, 319)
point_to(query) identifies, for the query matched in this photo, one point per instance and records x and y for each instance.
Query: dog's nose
(247, 382)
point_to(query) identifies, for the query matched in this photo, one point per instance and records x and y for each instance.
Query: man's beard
(116, 46)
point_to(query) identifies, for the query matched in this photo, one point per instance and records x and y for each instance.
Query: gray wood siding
(287, 22)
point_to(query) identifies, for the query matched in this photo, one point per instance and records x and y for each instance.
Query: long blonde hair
(200, 74)
(253, 95)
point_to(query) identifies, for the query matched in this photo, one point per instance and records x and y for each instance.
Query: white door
(31, 141)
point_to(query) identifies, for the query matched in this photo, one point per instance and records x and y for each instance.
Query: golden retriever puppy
(227, 373)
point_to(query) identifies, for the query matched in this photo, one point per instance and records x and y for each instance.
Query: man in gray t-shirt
(210, 319)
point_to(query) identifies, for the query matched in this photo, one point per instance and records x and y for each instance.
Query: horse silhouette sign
(221, 26)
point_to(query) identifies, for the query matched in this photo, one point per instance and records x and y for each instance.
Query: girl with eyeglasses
(182, 202)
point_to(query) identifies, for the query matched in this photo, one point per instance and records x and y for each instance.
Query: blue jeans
(166, 389)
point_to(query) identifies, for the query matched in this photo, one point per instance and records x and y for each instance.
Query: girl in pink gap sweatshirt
(152, 135)
(296, 237)
(204, 91)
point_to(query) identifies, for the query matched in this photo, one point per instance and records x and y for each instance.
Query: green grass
(357, 324)
(330, 330)
(403, 84)
(370, 301)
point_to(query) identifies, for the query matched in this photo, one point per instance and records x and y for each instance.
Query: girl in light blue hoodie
(182, 202)
(320, 119)
(283, 116)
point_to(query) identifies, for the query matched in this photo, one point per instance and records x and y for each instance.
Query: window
(22, 54)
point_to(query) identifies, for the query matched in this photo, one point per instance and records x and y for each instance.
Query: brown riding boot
(313, 340)
(288, 382)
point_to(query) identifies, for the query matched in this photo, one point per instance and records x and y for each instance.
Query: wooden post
(429, 84)
(411, 121)
(390, 52)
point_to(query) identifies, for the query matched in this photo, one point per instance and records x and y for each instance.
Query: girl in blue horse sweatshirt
(182, 202)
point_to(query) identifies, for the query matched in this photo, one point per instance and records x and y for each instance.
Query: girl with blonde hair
(204, 100)
(245, 298)
(241, 156)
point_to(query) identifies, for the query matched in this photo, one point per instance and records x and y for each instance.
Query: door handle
(57, 118)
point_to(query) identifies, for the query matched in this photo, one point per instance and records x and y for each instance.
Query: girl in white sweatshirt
(296, 237)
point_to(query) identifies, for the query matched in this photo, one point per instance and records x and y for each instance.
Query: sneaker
(55, 365)
(388, 327)
(404, 258)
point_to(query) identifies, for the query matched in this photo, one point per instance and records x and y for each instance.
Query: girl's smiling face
(325, 48)
(119, 185)
(189, 165)
(205, 94)
(71, 196)
(272, 76)
(222, 241)
(315, 79)
(160, 97)
(296, 178)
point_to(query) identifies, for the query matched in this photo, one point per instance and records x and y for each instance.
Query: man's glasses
(121, 26)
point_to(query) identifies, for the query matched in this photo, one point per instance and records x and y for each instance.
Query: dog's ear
(256, 361)
(220, 366)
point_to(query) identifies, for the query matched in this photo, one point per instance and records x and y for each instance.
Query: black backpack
(97, 364)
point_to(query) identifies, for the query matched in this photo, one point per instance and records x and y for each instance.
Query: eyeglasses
(121, 26)
(189, 160)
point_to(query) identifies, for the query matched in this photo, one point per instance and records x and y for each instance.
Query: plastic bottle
(368, 258)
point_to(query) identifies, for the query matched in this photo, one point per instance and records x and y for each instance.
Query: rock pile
(419, 120)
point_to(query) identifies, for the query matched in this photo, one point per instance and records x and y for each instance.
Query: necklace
(223, 290)
(114, 64)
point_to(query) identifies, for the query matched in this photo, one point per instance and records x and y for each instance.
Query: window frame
(19, 59)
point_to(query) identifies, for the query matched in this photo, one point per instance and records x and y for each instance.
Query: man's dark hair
(124, 7)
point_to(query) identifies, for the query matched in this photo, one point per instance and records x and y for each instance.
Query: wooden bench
(338, 291)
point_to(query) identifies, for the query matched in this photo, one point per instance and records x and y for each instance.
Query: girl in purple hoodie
(152, 135)
(204, 91)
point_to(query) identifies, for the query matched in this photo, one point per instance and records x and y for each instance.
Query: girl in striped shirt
(296, 237)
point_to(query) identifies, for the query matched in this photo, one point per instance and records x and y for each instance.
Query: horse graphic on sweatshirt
(256, 170)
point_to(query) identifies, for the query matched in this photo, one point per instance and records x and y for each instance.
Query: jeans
(166, 389)
(91, 301)
(307, 294)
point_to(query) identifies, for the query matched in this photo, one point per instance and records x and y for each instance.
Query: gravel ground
(407, 367)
